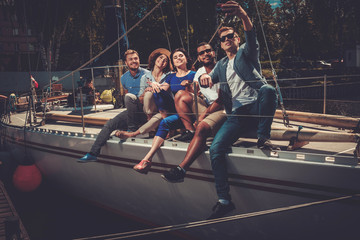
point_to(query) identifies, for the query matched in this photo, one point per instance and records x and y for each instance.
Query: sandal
(143, 166)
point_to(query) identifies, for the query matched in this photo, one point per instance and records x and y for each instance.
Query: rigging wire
(286, 118)
(212, 37)
(111, 45)
(27, 36)
(187, 26)
(177, 25)
(125, 25)
(118, 31)
(203, 223)
(166, 32)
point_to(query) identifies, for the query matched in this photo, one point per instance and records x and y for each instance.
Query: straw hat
(162, 51)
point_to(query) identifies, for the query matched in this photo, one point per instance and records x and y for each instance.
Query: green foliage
(318, 29)
(305, 28)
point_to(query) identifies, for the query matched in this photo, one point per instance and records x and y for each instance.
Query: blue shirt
(132, 83)
(175, 81)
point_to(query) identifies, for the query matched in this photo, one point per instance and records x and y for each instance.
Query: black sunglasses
(229, 36)
(205, 51)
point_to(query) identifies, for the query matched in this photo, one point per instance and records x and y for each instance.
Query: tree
(62, 26)
(336, 25)
(296, 29)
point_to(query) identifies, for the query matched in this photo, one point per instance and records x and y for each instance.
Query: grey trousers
(135, 111)
(119, 122)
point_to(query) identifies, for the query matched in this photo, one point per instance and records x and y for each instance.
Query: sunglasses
(205, 51)
(229, 36)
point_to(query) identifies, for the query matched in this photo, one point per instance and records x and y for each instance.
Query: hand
(201, 117)
(206, 81)
(233, 8)
(188, 85)
(185, 83)
(156, 87)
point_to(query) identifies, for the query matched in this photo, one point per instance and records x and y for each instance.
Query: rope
(285, 116)
(203, 223)
(111, 45)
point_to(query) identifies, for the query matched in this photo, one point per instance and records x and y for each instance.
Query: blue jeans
(164, 101)
(167, 124)
(240, 121)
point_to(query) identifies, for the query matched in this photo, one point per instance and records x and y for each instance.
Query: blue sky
(274, 3)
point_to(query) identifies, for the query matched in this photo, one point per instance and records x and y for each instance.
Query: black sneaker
(220, 210)
(174, 175)
(187, 136)
(265, 144)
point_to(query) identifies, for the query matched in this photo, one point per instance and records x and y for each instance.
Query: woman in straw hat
(160, 67)
(180, 80)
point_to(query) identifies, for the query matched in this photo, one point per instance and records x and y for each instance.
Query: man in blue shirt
(132, 117)
(244, 93)
(131, 83)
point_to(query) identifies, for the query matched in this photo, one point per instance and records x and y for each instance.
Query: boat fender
(27, 178)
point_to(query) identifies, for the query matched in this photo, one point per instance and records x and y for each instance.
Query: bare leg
(197, 145)
(183, 104)
(157, 142)
(144, 165)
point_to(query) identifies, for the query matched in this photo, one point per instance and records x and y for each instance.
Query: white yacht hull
(259, 181)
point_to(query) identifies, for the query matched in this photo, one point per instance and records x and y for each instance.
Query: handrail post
(324, 109)
(73, 86)
(196, 104)
(93, 80)
(82, 110)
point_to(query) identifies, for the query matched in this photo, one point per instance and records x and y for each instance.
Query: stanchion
(73, 86)
(324, 109)
(93, 80)
(82, 111)
(196, 104)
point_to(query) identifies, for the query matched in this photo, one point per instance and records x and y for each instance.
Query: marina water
(48, 213)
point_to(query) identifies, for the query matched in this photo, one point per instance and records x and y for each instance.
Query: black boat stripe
(65, 152)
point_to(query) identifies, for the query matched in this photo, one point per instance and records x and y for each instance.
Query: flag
(34, 82)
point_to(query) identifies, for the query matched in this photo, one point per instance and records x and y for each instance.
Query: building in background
(17, 42)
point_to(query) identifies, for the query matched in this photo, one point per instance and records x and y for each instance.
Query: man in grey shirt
(249, 101)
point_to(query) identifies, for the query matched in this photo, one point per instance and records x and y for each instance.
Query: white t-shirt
(210, 94)
(242, 93)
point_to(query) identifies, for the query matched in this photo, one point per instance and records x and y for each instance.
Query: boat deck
(7, 210)
(339, 149)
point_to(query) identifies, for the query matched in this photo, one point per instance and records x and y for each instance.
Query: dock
(9, 219)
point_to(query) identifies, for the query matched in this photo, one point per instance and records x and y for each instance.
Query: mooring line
(150, 231)
(350, 149)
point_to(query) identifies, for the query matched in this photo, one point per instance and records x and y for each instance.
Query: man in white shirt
(212, 115)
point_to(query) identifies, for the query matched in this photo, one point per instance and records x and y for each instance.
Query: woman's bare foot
(124, 134)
